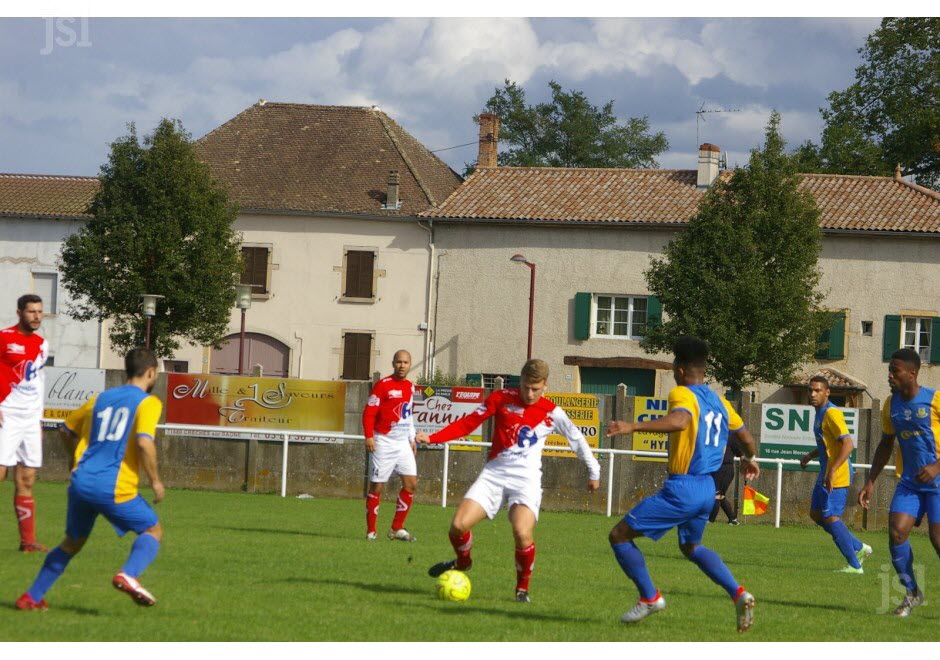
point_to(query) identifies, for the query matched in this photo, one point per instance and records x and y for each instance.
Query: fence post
(284, 467)
(610, 483)
(779, 494)
(444, 479)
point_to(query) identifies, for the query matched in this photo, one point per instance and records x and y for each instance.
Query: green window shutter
(654, 312)
(582, 315)
(831, 342)
(935, 340)
(891, 340)
(474, 380)
(837, 337)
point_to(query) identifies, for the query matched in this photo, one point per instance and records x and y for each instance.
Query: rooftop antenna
(700, 118)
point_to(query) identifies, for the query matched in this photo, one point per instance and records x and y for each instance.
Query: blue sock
(143, 552)
(712, 566)
(856, 544)
(631, 561)
(52, 568)
(843, 538)
(903, 559)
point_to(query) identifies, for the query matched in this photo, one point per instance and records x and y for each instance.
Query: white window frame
(630, 309)
(919, 332)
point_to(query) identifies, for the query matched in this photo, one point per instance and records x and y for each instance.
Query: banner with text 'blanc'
(68, 389)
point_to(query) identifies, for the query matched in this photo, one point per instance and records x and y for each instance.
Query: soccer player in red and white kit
(390, 440)
(22, 387)
(513, 472)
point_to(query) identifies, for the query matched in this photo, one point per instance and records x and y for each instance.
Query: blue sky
(62, 106)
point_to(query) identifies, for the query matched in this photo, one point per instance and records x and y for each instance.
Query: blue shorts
(685, 501)
(830, 504)
(132, 516)
(916, 502)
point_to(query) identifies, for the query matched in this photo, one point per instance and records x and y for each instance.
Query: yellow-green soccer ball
(453, 586)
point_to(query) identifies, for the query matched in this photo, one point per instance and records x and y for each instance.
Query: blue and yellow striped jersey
(107, 463)
(831, 431)
(699, 447)
(916, 426)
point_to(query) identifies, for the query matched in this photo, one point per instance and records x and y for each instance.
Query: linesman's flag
(754, 503)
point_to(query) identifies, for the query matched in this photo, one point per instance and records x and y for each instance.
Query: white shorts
(495, 486)
(20, 441)
(391, 456)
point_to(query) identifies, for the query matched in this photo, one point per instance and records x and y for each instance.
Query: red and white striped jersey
(22, 383)
(388, 412)
(520, 431)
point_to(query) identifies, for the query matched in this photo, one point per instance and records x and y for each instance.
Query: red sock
(26, 515)
(525, 562)
(372, 511)
(462, 545)
(402, 508)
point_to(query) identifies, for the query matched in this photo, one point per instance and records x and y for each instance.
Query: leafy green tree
(569, 131)
(891, 114)
(161, 225)
(743, 274)
(441, 379)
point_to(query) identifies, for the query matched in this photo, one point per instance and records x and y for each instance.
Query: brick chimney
(708, 167)
(489, 140)
(392, 201)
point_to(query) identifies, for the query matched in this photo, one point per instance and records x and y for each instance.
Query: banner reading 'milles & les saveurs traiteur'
(245, 403)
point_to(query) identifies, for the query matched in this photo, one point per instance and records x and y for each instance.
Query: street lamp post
(243, 302)
(149, 310)
(518, 258)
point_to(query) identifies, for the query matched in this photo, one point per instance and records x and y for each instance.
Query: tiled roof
(835, 377)
(288, 156)
(40, 195)
(671, 196)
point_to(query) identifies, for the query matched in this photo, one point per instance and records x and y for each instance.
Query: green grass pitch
(258, 567)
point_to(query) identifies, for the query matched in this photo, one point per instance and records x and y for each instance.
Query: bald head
(401, 364)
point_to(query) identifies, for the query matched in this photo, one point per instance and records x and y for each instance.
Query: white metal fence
(286, 437)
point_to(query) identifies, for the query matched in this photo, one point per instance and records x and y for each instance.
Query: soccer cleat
(642, 610)
(33, 547)
(864, 553)
(124, 582)
(734, 521)
(744, 608)
(522, 596)
(26, 602)
(400, 535)
(852, 570)
(371, 536)
(449, 565)
(911, 600)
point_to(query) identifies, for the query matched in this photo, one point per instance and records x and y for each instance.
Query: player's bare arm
(882, 455)
(370, 444)
(928, 473)
(423, 438)
(593, 485)
(148, 461)
(807, 457)
(676, 420)
(69, 442)
(749, 467)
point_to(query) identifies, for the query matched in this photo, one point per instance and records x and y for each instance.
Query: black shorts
(723, 478)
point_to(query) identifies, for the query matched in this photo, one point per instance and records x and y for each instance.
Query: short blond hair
(535, 370)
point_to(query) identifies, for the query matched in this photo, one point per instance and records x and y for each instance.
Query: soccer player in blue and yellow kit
(698, 423)
(912, 416)
(833, 447)
(115, 433)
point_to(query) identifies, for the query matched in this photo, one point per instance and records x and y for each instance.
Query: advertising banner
(245, 403)
(67, 389)
(646, 408)
(787, 431)
(436, 407)
(583, 411)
